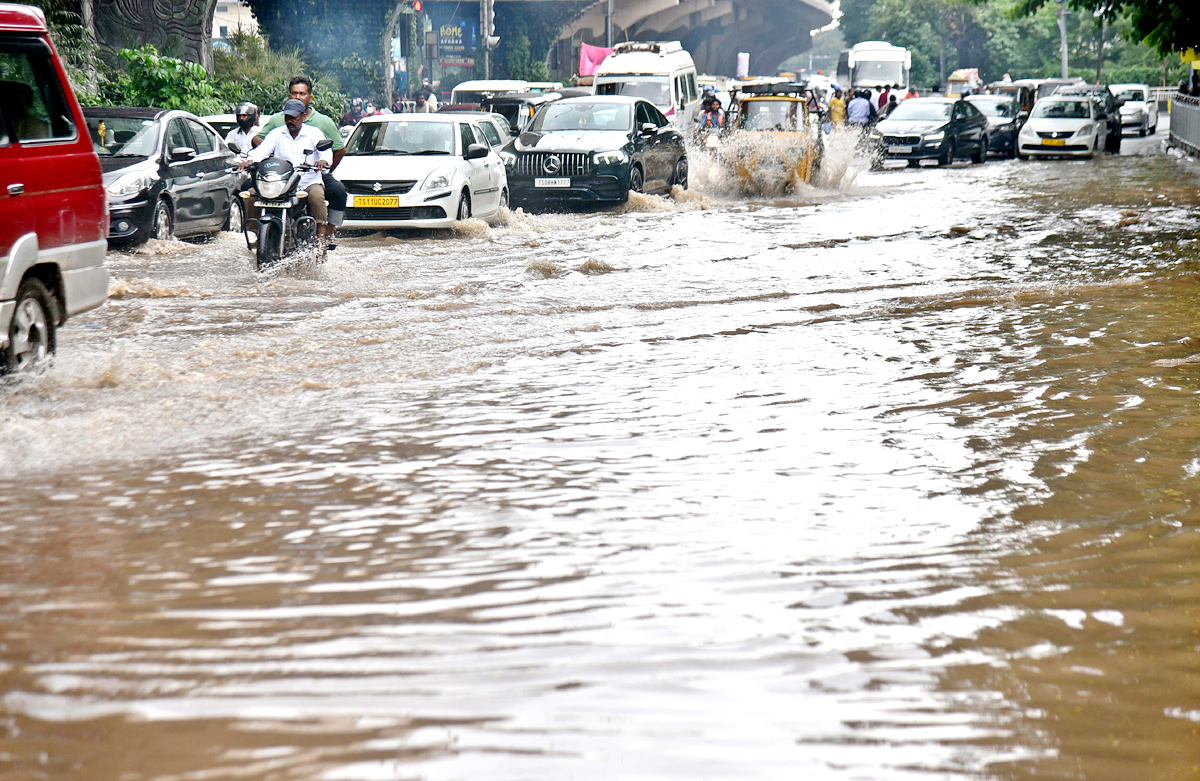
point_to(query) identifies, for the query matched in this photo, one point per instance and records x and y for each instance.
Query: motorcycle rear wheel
(266, 251)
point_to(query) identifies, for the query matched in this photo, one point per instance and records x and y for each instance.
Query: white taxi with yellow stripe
(420, 171)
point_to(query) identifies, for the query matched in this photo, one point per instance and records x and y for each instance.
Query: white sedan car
(1063, 126)
(1139, 111)
(420, 171)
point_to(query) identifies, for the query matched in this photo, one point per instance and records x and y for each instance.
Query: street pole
(484, 17)
(608, 25)
(1100, 54)
(1062, 34)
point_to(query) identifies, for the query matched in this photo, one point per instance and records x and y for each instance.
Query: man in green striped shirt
(300, 88)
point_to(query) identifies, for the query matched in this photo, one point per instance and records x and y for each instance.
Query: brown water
(892, 480)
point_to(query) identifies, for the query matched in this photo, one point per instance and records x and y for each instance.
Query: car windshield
(511, 112)
(768, 115)
(1062, 109)
(473, 96)
(123, 136)
(918, 111)
(400, 137)
(1131, 94)
(1004, 108)
(584, 115)
(656, 89)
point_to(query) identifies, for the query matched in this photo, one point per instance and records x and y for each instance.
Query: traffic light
(490, 39)
(417, 6)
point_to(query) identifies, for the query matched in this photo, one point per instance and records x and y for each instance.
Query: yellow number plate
(1053, 142)
(377, 201)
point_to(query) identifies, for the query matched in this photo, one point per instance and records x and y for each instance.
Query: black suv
(595, 149)
(1110, 110)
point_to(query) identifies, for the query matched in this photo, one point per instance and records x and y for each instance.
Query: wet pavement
(887, 479)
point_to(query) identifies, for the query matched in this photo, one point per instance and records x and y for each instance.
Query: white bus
(872, 65)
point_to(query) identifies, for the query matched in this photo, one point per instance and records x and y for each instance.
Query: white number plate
(552, 182)
(899, 150)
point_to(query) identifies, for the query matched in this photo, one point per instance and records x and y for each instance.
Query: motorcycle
(286, 222)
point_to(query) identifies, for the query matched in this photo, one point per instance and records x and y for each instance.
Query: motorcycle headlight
(935, 137)
(131, 184)
(615, 157)
(508, 158)
(438, 179)
(712, 142)
(271, 188)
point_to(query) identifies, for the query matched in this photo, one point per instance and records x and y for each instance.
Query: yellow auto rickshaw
(772, 146)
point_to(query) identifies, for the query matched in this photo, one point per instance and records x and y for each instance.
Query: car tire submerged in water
(981, 153)
(948, 156)
(31, 334)
(266, 250)
(635, 180)
(680, 177)
(237, 217)
(162, 223)
(464, 207)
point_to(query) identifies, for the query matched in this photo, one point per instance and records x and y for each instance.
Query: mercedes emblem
(551, 164)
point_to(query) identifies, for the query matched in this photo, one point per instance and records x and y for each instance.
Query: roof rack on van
(654, 47)
(774, 88)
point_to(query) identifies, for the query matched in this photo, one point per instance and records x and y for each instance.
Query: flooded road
(887, 480)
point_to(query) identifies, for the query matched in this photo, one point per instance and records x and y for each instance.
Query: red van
(53, 211)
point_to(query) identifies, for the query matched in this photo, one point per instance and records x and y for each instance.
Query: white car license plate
(896, 149)
(564, 182)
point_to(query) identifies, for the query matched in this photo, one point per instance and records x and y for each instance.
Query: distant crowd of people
(859, 110)
(422, 102)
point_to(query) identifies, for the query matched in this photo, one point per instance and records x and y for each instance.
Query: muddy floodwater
(894, 478)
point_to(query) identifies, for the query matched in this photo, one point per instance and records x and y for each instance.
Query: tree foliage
(1169, 26)
(251, 70)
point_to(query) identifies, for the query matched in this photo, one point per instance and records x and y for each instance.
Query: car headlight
(1086, 130)
(509, 159)
(615, 157)
(935, 137)
(874, 136)
(131, 184)
(438, 178)
(271, 188)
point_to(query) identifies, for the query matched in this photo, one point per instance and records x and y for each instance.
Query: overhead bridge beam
(714, 31)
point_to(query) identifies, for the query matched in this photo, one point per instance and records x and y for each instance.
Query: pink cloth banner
(590, 58)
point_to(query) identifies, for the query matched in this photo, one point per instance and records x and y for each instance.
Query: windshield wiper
(432, 152)
(385, 152)
(125, 154)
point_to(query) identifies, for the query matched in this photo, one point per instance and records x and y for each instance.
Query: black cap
(294, 108)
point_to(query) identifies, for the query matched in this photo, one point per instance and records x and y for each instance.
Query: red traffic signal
(417, 6)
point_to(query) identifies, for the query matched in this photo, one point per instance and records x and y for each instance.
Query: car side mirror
(181, 154)
(324, 145)
(649, 128)
(1022, 115)
(475, 152)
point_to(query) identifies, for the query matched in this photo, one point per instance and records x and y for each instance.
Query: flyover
(714, 31)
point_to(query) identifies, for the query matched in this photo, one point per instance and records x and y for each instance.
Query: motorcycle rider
(291, 142)
(241, 138)
(711, 115)
(300, 88)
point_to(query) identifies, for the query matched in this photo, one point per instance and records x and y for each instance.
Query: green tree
(1169, 26)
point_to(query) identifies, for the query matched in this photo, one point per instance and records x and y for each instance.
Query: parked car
(1062, 125)
(53, 220)
(1139, 109)
(1005, 118)
(494, 126)
(165, 172)
(420, 171)
(595, 149)
(940, 129)
(1110, 111)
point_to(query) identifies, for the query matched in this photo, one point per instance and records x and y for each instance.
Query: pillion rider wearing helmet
(300, 88)
(296, 142)
(241, 138)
